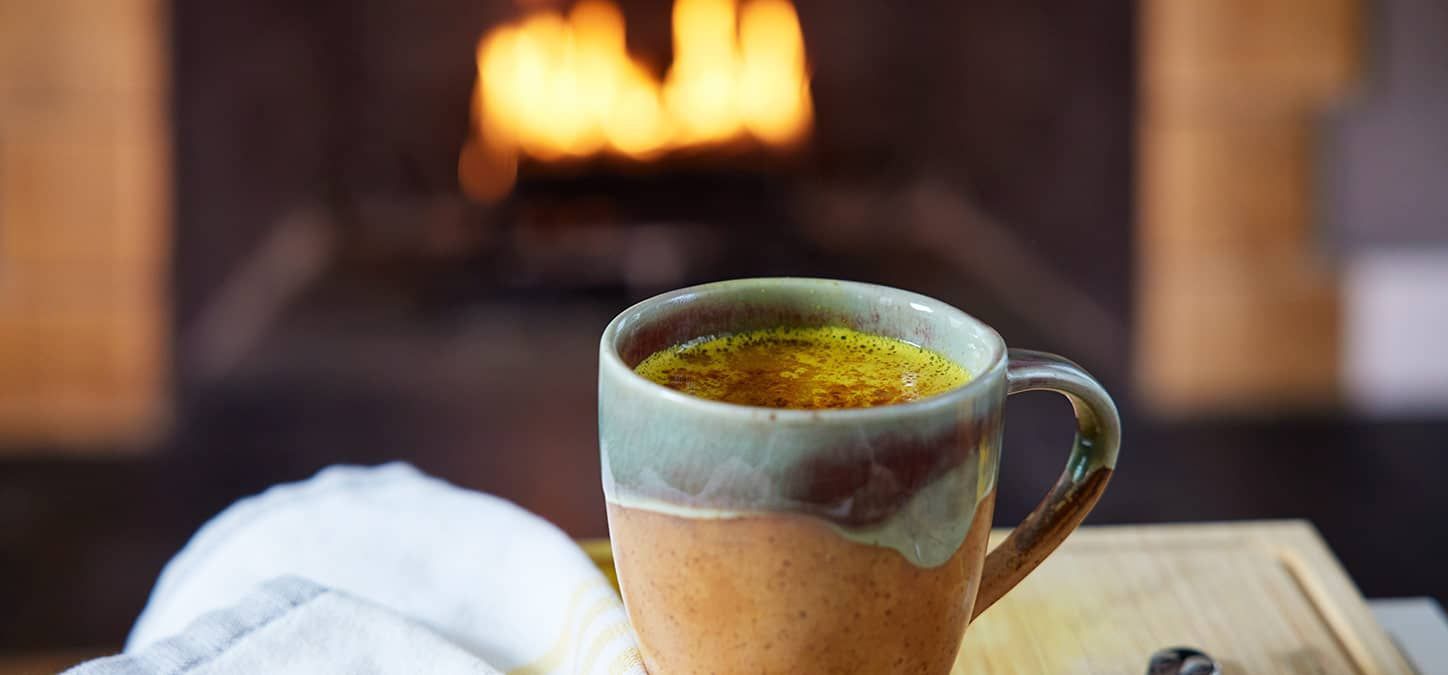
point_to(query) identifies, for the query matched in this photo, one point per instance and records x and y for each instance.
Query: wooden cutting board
(1261, 597)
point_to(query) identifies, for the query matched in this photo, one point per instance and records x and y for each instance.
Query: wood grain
(84, 223)
(1238, 306)
(1262, 597)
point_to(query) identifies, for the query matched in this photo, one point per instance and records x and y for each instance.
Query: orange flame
(553, 87)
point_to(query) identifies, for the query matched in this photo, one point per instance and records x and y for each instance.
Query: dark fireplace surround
(947, 138)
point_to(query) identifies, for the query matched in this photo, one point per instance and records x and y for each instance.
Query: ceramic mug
(853, 540)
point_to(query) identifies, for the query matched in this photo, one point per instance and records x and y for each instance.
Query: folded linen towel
(378, 570)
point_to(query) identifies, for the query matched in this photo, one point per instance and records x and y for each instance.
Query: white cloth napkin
(378, 570)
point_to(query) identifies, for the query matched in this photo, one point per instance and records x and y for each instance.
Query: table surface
(1417, 625)
(1262, 597)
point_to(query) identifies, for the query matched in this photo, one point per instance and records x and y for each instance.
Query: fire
(555, 86)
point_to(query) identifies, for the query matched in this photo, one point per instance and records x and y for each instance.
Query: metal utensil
(1182, 661)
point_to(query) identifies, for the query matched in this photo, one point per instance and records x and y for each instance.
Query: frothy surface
(807, 368)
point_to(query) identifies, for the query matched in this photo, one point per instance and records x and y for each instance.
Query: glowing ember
(552, 87)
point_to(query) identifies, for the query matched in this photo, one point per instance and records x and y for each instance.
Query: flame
(773, 102)
(554, 87)
(699, 90)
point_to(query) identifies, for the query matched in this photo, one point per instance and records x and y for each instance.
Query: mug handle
(1092, 461)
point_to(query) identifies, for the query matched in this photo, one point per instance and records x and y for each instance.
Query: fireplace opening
(555, 88)
(401, 226)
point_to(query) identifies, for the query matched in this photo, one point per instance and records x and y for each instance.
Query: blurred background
(244, 239)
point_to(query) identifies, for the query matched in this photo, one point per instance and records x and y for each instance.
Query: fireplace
(559, 90)
(922, 146)
(382, 255)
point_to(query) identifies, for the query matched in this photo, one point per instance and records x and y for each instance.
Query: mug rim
(613, 365)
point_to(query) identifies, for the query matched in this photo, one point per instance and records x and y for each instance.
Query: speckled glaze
(916, 478)
(905, 476)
